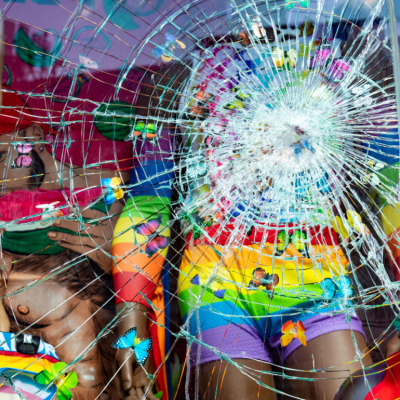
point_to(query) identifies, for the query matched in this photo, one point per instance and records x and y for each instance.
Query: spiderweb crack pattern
(237, 160)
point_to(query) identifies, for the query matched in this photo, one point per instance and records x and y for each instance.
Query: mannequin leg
(330, 350)
(231, 383)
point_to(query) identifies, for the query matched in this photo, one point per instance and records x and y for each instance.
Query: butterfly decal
(147, 130)
(239, 101)
(50, 212)
(339, 288)
(261, 278)
(338, 70)
(300, 145)
(197, 223)
(63, 380)
(284, 59)
(202, 96)
(141, 348)
(84, 75)
(257, 27)
(353, 222)
(114, 192)
(155, 241)
(289, 4)
(166, 51)
(298, 239)
(322, 55)
(200, 109)
(323, 184)
(292, 330)
(371, 177)
(22, 160)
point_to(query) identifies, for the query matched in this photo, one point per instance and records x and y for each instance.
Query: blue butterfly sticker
(114, 192)
(166, 51)
(303, 183)
(323, 184)
(141, 348)
(336, 289)
(289, 4)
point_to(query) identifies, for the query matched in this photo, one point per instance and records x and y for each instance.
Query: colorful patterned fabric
(226, 303)
(23, 368)
(137, 277)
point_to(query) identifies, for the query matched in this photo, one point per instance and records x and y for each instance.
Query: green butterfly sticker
(289, 4)
(298, 239)
(150, 131)
(283, 242)
(63, 380)
(197, 223)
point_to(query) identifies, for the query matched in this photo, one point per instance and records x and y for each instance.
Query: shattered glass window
(199, 199)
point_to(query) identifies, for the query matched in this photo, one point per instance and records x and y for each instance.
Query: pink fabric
(18, 205)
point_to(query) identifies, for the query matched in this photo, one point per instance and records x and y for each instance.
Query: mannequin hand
(393, 345)
(133, 377)
(100, 234)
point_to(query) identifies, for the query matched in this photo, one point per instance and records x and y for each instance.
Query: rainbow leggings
(136, 274)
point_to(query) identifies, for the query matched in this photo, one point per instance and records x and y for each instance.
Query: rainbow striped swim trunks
(238, 301)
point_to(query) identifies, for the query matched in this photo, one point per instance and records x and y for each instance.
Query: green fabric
(253, 301)
(114, 119)
(101, 206)
(140, 206)
(36, 241)
(390, 178)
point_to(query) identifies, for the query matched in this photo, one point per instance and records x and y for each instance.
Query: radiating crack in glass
(274, 126)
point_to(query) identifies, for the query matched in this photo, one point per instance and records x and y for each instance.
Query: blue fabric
(152, 178)
(384, 148)
(225, 313)
(218, 314)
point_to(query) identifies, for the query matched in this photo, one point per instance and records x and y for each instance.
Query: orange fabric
(158, 301)
(253, 256)
(151, 266)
